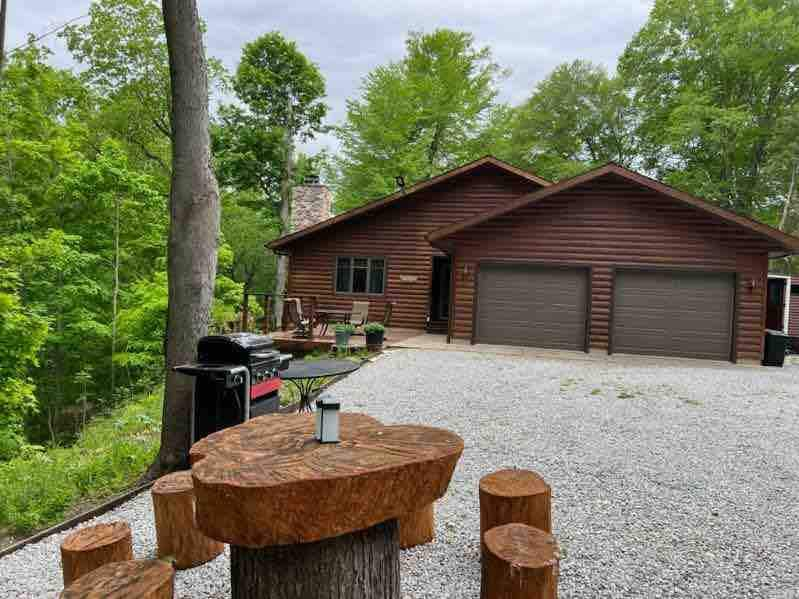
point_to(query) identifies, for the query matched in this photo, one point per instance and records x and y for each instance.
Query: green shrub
(345, 328)
(374, 327)
(39, 487)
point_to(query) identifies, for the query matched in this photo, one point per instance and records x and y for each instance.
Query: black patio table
(304, 375)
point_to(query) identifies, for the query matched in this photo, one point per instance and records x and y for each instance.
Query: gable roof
(402, 194)
(785, 241)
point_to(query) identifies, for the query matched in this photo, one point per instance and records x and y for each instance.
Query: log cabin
(609, 261)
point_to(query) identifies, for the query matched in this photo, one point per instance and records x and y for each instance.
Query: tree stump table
(514, 496)
(90, 547)
(519, 562)
(307, 520)
(142, 579)
(175, 528)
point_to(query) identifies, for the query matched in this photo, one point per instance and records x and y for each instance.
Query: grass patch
(39, 487)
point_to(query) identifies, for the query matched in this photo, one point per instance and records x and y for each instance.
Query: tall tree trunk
(194, 224)
(285, 219)
(3, 12)
(786, 207)
(115, 297)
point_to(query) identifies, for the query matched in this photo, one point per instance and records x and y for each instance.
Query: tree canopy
(416, 117)
(711, 80)
(577, 116)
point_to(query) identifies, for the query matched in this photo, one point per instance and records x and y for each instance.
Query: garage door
(530, 305)
(673, 314)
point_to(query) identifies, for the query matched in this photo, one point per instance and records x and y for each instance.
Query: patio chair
(302, 325)
(387, 314)
(389, 308)
(360, 314)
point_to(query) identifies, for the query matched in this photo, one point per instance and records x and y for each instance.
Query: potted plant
(375, 333)
(343, 334)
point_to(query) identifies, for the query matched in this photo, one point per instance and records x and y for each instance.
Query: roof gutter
(277, 251)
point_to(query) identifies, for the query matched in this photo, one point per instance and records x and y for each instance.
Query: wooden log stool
(514, 496)
(93, 546)
(142, 579)
(175, 528)
(519, 562)
(417, 528)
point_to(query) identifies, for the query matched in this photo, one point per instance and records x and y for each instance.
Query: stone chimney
(311, 203)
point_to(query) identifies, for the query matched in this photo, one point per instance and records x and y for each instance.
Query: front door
(439, 297)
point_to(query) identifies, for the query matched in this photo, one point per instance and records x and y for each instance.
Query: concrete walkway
(425, 341)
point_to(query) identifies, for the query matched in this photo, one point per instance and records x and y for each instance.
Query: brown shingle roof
(787, 242)
(378, 204)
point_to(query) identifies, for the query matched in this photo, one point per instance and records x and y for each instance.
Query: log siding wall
(610, 223)
(397, 233)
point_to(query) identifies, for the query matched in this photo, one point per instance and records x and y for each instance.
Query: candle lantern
(327, 420)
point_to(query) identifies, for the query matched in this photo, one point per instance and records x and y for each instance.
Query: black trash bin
(776, 345)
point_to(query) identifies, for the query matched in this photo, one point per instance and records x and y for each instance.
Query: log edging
(78, 519)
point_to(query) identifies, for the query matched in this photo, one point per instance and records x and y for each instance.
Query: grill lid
(236, 348)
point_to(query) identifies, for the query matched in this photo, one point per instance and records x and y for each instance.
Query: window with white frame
(355, 274)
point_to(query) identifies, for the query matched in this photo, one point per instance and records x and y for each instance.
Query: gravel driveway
(669, 480)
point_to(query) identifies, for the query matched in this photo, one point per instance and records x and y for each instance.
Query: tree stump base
(508, 496)
(93, 546)
(143, 579)
(417, 528)
(175, 529)
(359, 565)
(519, 562)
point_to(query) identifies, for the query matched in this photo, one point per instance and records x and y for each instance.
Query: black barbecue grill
(237, 377)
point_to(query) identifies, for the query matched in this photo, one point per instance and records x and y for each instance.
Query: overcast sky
(348, 39)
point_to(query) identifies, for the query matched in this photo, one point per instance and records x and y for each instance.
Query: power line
(46, 34)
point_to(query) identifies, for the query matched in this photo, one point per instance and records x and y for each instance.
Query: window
(360, 275)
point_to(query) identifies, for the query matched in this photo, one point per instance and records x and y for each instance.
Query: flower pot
(342, 339)
(374, 341)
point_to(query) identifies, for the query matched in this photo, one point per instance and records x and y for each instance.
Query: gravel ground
(669, 480)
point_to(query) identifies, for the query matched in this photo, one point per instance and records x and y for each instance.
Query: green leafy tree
(121, 218)
(142, 327)
(577, 117)
(283, 92)
(417, 117)
(142, 319)
(22, 334)
(379, 139)
(56, 281)
(40, 134)
(123, 48)
(249, 154)
(781, 172)
(246, 231)
(712, 80)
